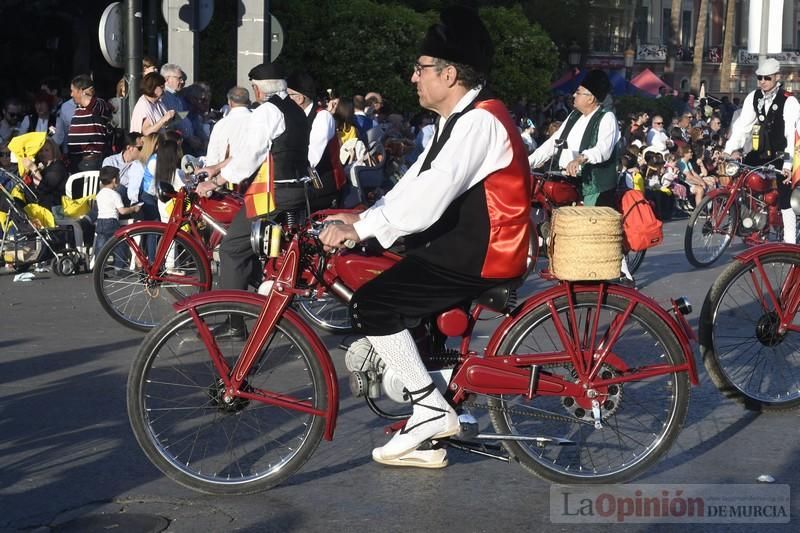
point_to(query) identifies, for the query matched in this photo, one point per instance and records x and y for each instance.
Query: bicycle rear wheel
(133, 298)
(743, 351)
(184, 426)
(641, 419)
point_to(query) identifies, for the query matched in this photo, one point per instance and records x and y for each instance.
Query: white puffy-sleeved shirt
(478, 146)
(322, 131)
(607, 138)
(228, 135)
(742, 127)
(266, 123)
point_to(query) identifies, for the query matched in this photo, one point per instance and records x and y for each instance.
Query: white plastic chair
(89, 182)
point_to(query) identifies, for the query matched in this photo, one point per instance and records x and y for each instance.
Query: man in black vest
(323, 151)
(277, 128)
(458, 247)
(769, 118)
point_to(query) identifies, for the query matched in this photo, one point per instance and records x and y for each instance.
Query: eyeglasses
(657, 123)
(12, 114)
(419, 67)
(765, 78)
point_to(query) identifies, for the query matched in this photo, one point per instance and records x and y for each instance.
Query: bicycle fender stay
(320, 352)
(560, 290)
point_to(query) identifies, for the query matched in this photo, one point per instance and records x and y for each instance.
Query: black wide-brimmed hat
(266, 71)
(461, 37)
(303, 83)
(597, 83)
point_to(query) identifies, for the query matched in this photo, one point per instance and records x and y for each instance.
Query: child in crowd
(671, 179)
(109, 208)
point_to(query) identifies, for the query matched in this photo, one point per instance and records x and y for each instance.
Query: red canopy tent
(648, 82)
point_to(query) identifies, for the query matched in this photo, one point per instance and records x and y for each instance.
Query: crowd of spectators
(672, 157)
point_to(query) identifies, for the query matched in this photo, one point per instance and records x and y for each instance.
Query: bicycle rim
(752, 356)
(201, 441)
(640, 418)
(133, 298)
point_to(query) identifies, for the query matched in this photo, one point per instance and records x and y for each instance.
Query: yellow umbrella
(26, 145)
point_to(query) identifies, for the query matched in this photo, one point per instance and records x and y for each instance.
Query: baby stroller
(23, 242)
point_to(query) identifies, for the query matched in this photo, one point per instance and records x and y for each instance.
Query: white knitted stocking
(789, 226)
(400, 353)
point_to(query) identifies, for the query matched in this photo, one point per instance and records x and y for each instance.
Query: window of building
(642, 23)
(686, 30)
(666, 25)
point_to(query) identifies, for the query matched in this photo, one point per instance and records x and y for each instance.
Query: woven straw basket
(585, 243)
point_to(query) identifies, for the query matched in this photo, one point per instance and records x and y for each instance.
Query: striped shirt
(89, 130)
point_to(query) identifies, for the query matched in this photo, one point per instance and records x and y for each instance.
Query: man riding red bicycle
(463, 209)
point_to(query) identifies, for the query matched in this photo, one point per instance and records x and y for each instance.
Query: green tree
(525, 57)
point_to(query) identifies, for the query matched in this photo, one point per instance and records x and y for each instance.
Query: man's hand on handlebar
(339, 231)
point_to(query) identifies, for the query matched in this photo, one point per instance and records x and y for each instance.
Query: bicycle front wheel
(131, 296)
(186, 428)
(640, 419)
(710, 230)
(746, 356)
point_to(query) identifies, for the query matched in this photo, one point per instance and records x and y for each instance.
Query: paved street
(67, 452)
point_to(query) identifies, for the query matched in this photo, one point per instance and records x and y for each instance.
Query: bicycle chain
(527, 412)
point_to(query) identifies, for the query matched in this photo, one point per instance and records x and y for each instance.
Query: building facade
(645, 27)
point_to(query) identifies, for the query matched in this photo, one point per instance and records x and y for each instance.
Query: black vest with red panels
(485, 231)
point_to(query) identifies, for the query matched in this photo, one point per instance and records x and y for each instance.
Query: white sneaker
(441, 422)
(415, 458)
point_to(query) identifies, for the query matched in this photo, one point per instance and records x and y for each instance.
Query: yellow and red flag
(260, 196)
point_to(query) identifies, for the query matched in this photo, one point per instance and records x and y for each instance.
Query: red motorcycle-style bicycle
(583, 382)
(748, 207)
(138, 289)
(749, 329)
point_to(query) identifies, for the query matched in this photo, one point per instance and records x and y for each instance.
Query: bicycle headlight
(265, 238)
(731, 168)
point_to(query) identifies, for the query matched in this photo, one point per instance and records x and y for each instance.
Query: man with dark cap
(276, 145)
(323, 143)
(463, 209)
(591, 135)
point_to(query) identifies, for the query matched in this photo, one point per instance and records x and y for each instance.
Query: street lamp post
(629, 55)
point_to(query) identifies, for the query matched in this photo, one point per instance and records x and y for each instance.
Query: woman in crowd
(149, 115)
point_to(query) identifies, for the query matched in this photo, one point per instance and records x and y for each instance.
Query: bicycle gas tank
(561, 193)
(355, 269)
(759, 182)
(222, 209)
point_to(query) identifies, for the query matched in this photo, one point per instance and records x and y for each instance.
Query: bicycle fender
(560, 290)
(764, 249)
(320, 351)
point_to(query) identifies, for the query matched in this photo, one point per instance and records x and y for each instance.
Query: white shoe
(415, 458)
(442, 423)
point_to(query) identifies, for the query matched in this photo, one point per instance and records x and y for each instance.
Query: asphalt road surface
(69, 462)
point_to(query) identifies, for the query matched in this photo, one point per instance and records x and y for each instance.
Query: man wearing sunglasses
(768, 118)
(12, 116)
